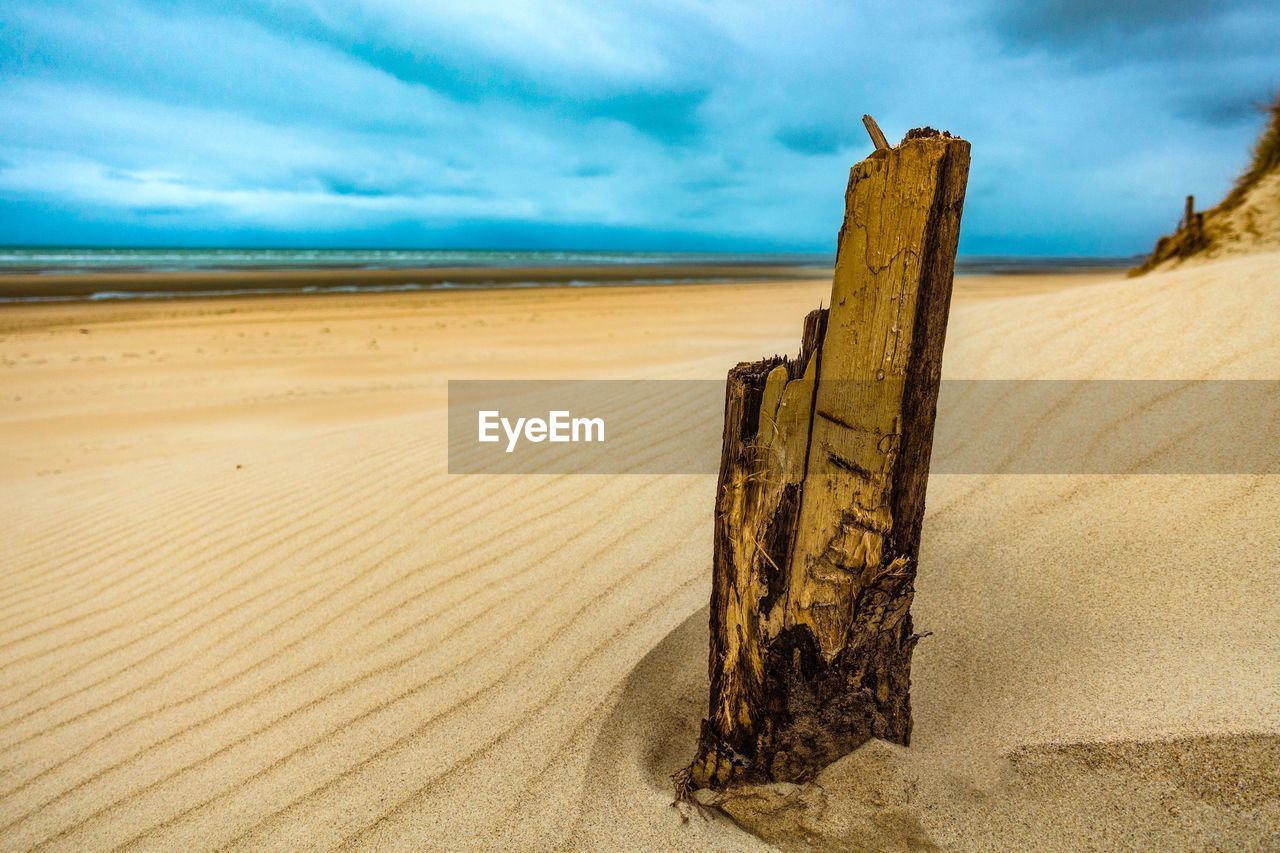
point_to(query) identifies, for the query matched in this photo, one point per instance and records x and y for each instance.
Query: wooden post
(1189, 216)
(822, 484)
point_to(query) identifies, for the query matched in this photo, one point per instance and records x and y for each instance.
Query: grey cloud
(1105, 33)
(814, 139)
(1219, 110)
(1079, 21)
(668, 116)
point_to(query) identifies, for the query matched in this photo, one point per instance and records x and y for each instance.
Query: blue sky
(678, 125)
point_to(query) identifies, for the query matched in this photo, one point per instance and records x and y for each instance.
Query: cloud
(1224, 110)
(1203, 62)
(814, 139)
(1116, 33)
(1078, 22)
(563, 123)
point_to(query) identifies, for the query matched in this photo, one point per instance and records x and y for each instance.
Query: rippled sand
(242, 604)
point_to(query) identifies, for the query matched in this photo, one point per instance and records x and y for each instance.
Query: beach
(246, 606)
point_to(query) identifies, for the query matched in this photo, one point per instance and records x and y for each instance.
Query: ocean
(47, 273)
(59, 259)
(54, 260)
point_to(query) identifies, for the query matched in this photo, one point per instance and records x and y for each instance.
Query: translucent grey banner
(983, 427)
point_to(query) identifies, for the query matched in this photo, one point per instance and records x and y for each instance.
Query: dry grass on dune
(1264, 158)
(1246, 220)
(242, 605)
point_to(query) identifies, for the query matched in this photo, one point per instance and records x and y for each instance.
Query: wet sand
(25, 285)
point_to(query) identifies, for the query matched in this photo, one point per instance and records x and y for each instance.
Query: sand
(243, 605)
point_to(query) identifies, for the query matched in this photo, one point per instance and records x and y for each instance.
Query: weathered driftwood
(821, 489)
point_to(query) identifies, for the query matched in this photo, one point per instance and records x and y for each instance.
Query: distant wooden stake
(822, 485)
(877, 137)
(1189, 217)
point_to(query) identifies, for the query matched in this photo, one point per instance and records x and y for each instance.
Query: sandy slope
(241, 604)
(1245, 221)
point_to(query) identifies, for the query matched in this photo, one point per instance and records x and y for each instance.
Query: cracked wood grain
(821, 490)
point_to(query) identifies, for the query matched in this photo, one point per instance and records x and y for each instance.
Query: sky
(685, 125)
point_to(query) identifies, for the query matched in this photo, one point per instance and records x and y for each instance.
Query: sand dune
(242, 605)
(1245, 221)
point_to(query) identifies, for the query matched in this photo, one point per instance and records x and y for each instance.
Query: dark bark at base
(815, 711)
